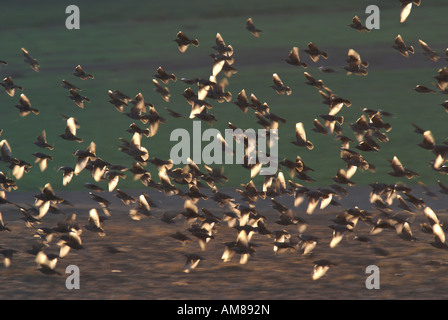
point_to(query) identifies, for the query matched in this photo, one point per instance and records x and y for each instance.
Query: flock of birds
(370, 130)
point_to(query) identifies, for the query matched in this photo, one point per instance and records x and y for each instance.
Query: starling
(402, 48)
(80, 73)
(357, 25)
(294, 58)
(183, 42)
(25, 106)
(10, 86)
(252, 29)
(30, 60)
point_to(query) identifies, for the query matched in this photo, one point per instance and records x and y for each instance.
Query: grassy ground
(122, 44)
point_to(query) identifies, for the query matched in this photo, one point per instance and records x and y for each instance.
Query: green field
(123, 42)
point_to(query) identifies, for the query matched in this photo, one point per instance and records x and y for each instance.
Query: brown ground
(146, 263)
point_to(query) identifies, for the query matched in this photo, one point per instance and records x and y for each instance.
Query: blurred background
(122, 43)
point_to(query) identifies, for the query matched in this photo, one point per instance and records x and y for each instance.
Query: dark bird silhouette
(41, 141)
(67, 85)
(77, 98)
(25, 106)
(401, 47)
(294, 58)
(315, 53)
(192, 262)
(10, 86)
(183, 42)
(80, 73)
(250, 26)
(174, 114)
(165, 77)
(34, 64)
(357, 25)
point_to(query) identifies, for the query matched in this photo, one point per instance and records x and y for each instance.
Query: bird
(9, 86)
(321, 267)
(423, 89)
(163, 91)
(77, 98)
(183, 42)
(165, 77)
(294, 58)
(250, 26)
(301, 140)
(355, 64)
(34, 64)
(42, 159)
(406, 6)
(242, 102)
(67, 85)
(401, 47)
(315, 53)
(80, 73)
(7, 256)
(70, 131)
(83, 156)
(428, 52)
(279, 87)
(357, 25)
(192, 262)
(400, 171)
(25, 107)
(41, 141)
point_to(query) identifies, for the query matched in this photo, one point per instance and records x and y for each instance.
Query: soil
(139, 259)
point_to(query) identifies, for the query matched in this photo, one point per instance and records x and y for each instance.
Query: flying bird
(250, 26)
(25, 106)
(301, 140)
(279, 87)
(401, 47)
(315, 53)
(183, 42)
(406, 7)
(294, 58)
(357, 25)
(9, 86)
(80, 73)
(34, 64)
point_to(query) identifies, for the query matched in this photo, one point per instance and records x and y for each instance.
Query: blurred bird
(30, 60)
(165, 77)
(428, 52)
(163, 91)
(402, 48)
(183, 42)
(9, 86)
(406, 6)
(315, 53)
(41, 141)
(80, 73)
(321, 267)
(294, 58)
(250, 26)
(67, 85)
(400, 171)
(77, 98)
(357, 25)
(25, 106)
(301, 140)
(192, 262)
(70, 131)
(355, 64)
(279, 87)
